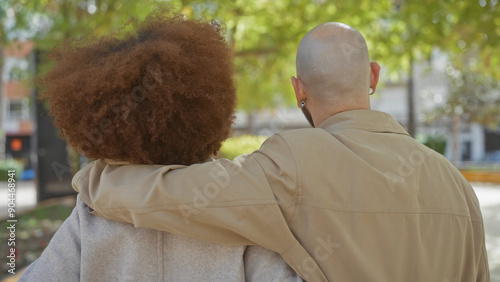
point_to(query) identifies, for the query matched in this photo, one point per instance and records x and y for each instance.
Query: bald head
(333, 63)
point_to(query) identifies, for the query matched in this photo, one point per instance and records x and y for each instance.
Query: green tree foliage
(264, 34)
(435, 142)
(411, 29)
(239, 145)
(49, 22)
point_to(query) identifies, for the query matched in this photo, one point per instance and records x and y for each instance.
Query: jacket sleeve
(231, 202)
(60, 261)
(483, 273)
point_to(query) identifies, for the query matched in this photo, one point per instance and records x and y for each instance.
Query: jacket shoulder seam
(298, 183)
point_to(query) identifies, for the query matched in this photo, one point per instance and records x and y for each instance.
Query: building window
(18, 109)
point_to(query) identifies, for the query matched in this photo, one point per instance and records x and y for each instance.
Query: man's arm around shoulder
(222, 201)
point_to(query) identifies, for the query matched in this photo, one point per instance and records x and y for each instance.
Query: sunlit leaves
(264, 34)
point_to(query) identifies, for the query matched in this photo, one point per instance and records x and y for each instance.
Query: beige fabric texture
(356, 199)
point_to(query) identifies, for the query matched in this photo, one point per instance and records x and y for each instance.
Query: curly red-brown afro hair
(160, 94)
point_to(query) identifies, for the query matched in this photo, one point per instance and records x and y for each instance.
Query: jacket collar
(116, 162)
(366, 120)
(119, 162)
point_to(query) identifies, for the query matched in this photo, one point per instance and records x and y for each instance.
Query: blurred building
(17, 119)
(431, 90)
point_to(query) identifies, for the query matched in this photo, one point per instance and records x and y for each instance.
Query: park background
(440, 79)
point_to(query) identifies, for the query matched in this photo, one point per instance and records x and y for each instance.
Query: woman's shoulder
(93, 224)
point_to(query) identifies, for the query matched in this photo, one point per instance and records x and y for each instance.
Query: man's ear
(298, 87)
(374, 75)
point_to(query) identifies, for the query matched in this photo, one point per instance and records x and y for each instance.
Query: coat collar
(116, 162)
(366, 120)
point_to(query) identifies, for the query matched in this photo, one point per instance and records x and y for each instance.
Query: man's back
(387, 208)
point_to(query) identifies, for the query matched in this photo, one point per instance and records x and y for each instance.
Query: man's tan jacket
(355, 199)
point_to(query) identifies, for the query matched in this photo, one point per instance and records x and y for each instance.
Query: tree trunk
(411, 101)
(250, 124)
(455, 149)
(2, 133)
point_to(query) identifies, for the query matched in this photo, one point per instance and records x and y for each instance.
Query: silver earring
(303, 103)
(371, 91)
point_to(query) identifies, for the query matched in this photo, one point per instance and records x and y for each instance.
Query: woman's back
(90, 248)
